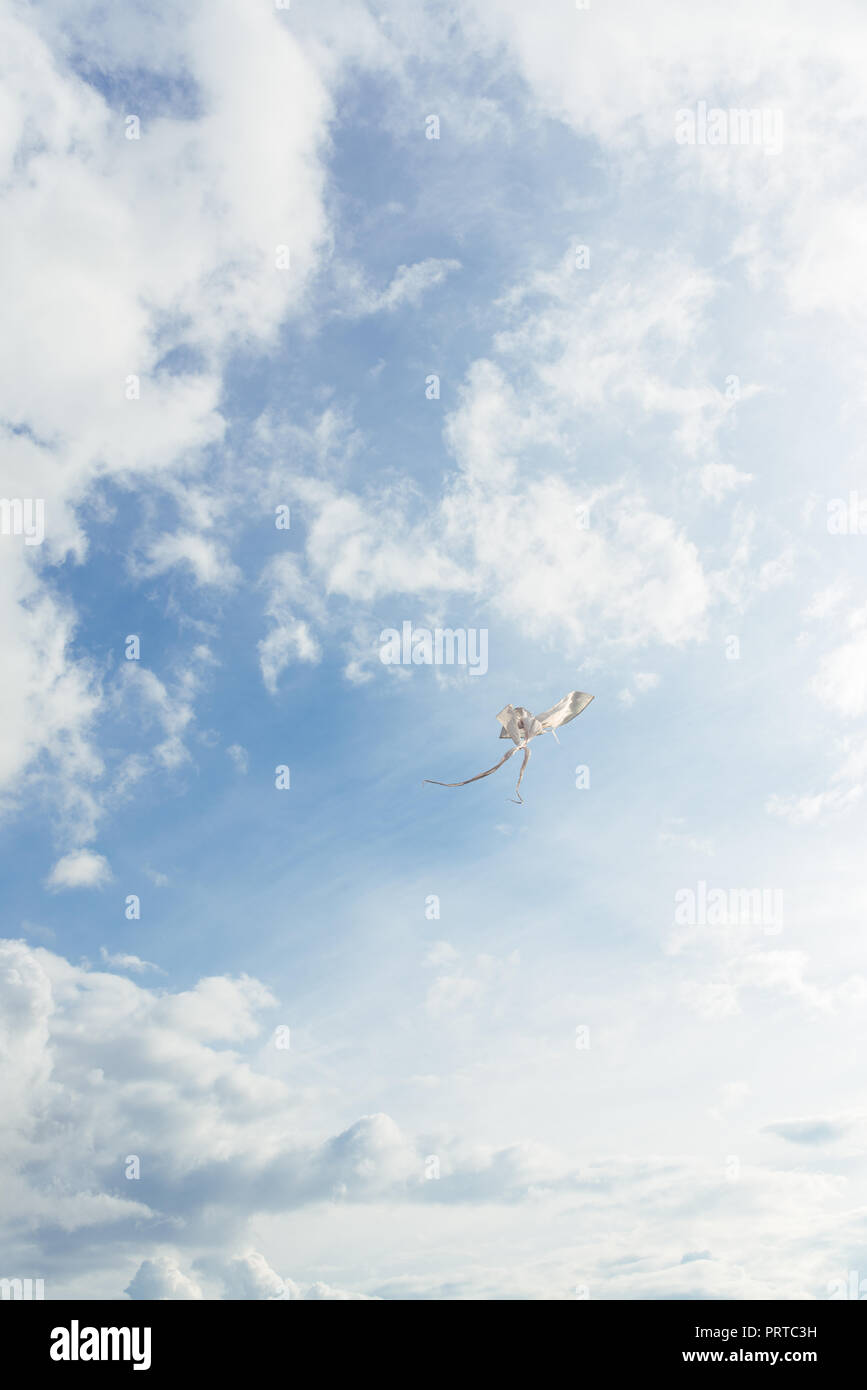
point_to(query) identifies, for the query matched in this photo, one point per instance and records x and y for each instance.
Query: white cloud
(123, 294)
(560, 559)
(158, 1279)
(206, 559)
(840, 684)
(786, 208)
(455, 988)
(720, 993)
(80, 869)
(170, 707)
(161, 1076)
(290, 636)
(119, 960)
(642, 681)
(719, 479)
(441, 953)
(841, 680)
(326, 1293)
(806, 808)
(249, 1276)
(292, 639)
(827, 600)
(239, 757)
(408, 285)
(645, 680)
(246, 1276)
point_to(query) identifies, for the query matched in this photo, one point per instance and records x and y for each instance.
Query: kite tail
(517, 798)
(478, 775)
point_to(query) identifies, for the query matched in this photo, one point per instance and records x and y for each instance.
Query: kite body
(520, 726)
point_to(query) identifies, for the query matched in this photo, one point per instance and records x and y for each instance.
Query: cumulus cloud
(93, 392)
(158, 1279)
(164, 1076)
(245, 1277)
(161, 1076)
(81, 869)
(561, 557)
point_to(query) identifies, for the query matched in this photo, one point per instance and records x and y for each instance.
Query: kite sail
(520, 726)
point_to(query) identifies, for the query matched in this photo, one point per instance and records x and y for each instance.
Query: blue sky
(696, 389)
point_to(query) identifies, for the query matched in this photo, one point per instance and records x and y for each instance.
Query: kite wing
(564, 710)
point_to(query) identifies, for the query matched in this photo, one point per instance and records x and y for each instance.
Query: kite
(520, 726)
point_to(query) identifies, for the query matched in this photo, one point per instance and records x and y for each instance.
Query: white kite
(520, 726)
